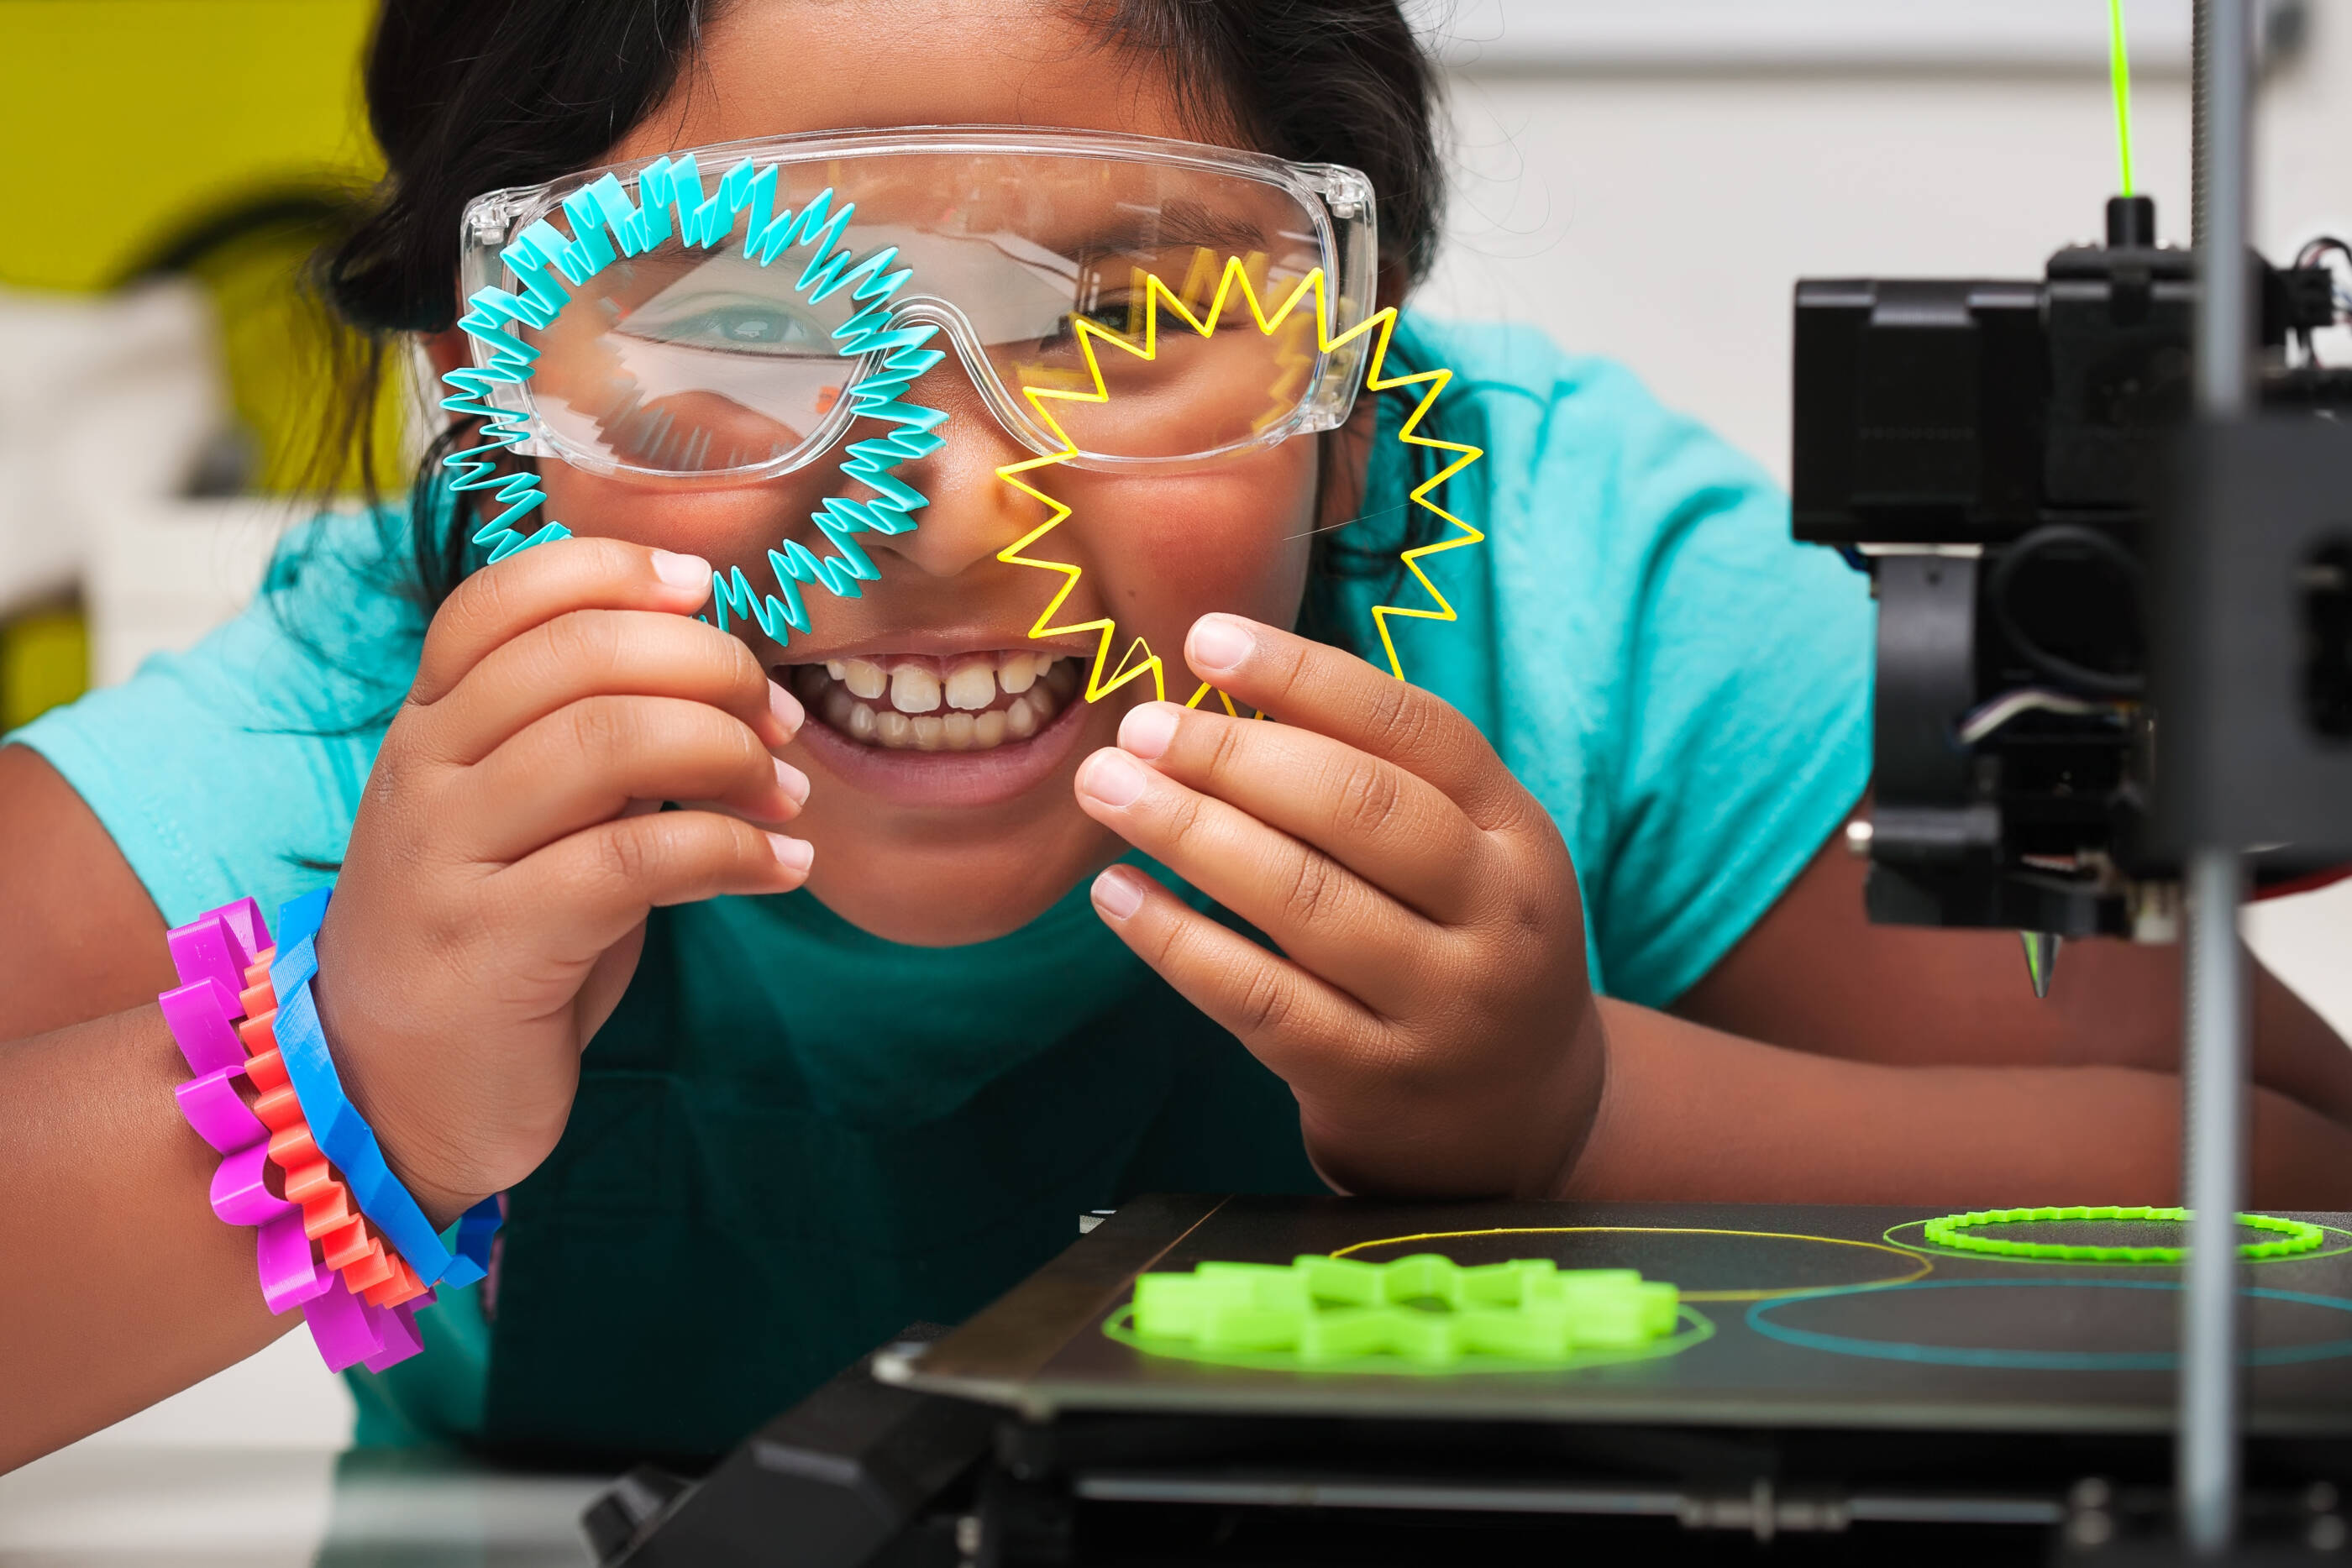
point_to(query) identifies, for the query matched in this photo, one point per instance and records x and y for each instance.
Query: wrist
(403, 1130)
(442, 1207)
(1485, 1134)
(1580, 1088)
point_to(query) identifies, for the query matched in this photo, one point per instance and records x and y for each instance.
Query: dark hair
(465, 96)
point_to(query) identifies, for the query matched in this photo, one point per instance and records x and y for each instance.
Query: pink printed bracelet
(359, 1298)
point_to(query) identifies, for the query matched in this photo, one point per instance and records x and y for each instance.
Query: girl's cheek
(1238, 543)
(1193, 568)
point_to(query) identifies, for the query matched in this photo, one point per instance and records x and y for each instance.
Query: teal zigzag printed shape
(606, 225)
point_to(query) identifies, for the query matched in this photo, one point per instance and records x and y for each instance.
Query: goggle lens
(692, 358)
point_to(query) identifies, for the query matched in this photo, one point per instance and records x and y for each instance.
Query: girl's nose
(971, 513)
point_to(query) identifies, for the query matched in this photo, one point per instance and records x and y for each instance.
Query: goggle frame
(1337, 199)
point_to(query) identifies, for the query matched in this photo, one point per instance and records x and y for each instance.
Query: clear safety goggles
(715, 313)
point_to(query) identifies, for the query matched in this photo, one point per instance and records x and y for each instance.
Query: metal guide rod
(2213, 1121)
(2224, 321)
(2214, 1076)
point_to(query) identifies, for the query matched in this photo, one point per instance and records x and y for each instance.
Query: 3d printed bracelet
(216, 956)
(358, 1298)
(342, 1134)
(349, 1245)
(543, 259)
(1953, 1230)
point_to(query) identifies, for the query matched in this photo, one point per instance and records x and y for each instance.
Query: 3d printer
(1999, 454)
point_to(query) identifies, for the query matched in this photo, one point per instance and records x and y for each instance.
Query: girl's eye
(734, 328)
(1119, 316)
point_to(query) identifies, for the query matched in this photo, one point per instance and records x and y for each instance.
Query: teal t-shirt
(1683, 687)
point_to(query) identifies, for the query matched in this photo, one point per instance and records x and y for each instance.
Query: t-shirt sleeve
(1742, 726)
(219, 772)
(1684, 687)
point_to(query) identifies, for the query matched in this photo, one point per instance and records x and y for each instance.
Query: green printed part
(1427, 1309)
(1954, 1230)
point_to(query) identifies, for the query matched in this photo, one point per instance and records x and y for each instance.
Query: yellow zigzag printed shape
(1235, 280)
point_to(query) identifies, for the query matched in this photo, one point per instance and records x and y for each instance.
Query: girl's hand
(509, 845)
(1432, 1010)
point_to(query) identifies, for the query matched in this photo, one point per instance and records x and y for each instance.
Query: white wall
(1663, 220)
(1660, 214)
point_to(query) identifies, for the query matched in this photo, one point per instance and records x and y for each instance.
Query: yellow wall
(124, 117)
(127, 120)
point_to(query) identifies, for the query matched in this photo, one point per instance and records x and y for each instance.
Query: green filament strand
(2119, 79)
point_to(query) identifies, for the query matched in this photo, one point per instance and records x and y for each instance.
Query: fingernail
(1112, 776)
(787, 708)
(1147, 730)
(682, 570)
(793, 782)
(1218, 642)
(794, 853)
(1115, 895)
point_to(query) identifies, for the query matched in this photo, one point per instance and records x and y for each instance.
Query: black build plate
(1936, 1341)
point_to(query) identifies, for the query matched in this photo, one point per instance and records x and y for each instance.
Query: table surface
(1837, 1271)
(114, 1506)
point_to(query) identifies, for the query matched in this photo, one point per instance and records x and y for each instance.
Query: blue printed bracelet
(337, 1127)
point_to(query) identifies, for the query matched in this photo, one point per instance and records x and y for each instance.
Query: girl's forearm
(120, 1286)
(1690, 1113)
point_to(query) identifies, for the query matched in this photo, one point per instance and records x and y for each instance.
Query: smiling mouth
(980, 701)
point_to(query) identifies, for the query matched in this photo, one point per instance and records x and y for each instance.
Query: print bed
(1790, 1317)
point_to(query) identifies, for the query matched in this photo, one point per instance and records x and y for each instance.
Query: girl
(846, 1036)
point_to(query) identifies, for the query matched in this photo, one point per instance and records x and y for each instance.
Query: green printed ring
(2298, 1236)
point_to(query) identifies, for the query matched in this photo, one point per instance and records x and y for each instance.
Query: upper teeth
(914, 689)
(974, 686)
(1036, 685)
(915, 686)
